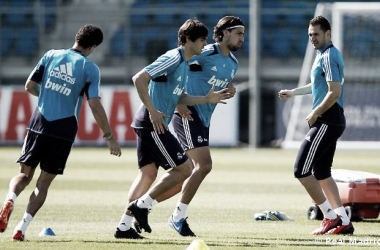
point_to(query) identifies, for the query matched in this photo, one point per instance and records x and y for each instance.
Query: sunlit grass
(84, 205)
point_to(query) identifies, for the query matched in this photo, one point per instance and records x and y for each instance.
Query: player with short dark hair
(60, 80)
(160, 87)
(216, 65)
(192, 29)
(327, 123)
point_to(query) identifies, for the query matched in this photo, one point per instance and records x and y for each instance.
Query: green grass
(85, 205)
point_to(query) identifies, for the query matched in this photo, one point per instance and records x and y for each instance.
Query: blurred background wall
(137, 32)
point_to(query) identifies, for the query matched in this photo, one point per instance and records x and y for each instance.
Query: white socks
(180, 211)
(343, 215)
(11, 196)
(154, 202)
(145, 201)
(24, 223)
(327, 210)
(331, 214)
(125, 222)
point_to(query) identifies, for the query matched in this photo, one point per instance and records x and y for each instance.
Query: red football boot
(18, 236)
(5, 213)
(342, 229)
(327, 225)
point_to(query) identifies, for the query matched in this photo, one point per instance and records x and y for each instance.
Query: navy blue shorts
(162, 149)
(191, 134)
(317, 151)
(50, 152)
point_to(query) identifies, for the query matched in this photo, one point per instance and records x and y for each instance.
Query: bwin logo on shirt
(177, 90)
(58, 87)
(217, 82)
(63, 72)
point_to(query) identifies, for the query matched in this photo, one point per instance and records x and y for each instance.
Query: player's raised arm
(286, 94)
(211, 97)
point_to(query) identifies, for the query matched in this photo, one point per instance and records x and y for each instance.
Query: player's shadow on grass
(211, 244)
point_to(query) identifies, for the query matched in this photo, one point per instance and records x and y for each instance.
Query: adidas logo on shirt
(179, 78)
(63, 72)
(214, 68)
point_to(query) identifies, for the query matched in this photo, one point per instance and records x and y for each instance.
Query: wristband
(108, 135)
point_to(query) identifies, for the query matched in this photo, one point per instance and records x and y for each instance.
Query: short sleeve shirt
(65, 77)
(328, 66)
(169, 74)
(211, 67)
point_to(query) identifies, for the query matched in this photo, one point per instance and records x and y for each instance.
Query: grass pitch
(85, 205)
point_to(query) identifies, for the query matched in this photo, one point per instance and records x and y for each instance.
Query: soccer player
(216, 65)
(327, 123)
(160, 87)
(60, 80)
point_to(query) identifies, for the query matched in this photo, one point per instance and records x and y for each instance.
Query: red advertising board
(120, 104)
(17, 106)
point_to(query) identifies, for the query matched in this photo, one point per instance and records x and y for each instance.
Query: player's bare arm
(141, 82)
(32, 87)
(211, 97)
(101, 119)
(331, 97)
(285, 94)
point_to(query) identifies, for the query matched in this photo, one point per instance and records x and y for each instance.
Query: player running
(216, 65)
(60, 80)
(160, 87)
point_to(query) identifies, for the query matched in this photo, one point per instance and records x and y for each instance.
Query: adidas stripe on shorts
(317, 151)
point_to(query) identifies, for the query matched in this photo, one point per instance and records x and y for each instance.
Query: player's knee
(148, 174)
(204, 168)
(26, 178)
(185, 169)
(149, 177)
(26, 173)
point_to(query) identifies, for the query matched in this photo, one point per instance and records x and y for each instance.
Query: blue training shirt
(328, 66)
(211, 67)
(169, 76)
(65, 76)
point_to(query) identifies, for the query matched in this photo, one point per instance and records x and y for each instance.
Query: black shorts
(191, 134)
(162, 149)
(50, 152)
(317, 151)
